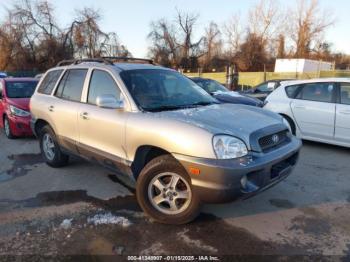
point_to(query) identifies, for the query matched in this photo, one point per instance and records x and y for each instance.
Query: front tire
(7, 128)
(50, 149)
(165, 193)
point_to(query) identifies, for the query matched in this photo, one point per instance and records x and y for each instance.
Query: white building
(301, 66)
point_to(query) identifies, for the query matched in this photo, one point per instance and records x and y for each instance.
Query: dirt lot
(60, 212)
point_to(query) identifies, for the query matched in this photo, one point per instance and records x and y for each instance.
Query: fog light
(244, 182)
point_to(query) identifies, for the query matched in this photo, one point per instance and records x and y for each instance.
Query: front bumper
(20, 126)
(220, 181)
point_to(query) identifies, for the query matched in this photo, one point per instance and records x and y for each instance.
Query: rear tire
(7, 128)
(50, 149)
(165, 193)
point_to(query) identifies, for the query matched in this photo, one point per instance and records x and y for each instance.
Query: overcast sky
(131, 18)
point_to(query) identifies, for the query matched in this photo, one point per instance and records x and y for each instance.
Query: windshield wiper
(201, 104)
(177, 107)
(164, 108)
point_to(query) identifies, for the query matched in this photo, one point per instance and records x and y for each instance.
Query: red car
(15, 94)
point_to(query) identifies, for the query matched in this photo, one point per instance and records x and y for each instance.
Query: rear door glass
(71, 85)
(319, 92)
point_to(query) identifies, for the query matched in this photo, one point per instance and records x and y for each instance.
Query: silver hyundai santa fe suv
(180, 145)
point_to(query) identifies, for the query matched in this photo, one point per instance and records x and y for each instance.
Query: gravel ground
(83, 212)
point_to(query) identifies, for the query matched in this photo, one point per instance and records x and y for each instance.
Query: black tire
(60, 159)
(159, 165)
(8, 132)
(291, 124)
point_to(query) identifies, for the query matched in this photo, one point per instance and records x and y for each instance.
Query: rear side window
(71, 85)
(292, 91)
(49, 82)
(345, 93)
(319, 92)
(102, 83)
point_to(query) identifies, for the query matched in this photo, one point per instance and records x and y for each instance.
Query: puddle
(18, 167)
(5, 177)
(26, 159)
(281, 203)
(57, 198)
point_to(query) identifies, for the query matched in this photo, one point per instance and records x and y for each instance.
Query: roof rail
(126, 59)
(65, 62)
(108, 60)
(84, 60)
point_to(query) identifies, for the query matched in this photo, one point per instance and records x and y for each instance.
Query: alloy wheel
(48, 146)
(169, 193)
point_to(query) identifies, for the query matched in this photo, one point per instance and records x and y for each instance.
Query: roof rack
(128, 59)
(105, 60)
(82, 60)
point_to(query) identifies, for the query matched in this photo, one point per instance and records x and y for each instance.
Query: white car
(317, 109)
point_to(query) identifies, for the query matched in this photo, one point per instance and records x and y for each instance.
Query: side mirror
(109, 101)
(271, 86)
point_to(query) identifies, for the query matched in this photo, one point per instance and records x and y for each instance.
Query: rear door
(314, 110)
(342, 124)
(65, 106)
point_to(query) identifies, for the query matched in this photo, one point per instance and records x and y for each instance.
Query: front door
(102, 130)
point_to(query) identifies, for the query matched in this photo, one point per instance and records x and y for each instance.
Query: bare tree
(164, 49)
(309, 25)
(186, 23)
(87, 33)
(172, 42)
(30, 37)
(264, 19)
(212, 44)
(281, 51)
(233, 31)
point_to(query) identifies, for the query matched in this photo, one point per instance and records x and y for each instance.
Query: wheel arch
(39, 124)
(144, 154)
(291, 122)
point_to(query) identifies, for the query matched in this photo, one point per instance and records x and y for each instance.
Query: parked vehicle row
(183, 141)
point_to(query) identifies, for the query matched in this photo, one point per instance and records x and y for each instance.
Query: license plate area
(281, 169)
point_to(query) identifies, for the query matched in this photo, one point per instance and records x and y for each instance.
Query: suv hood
(230, 119)
(21, 103)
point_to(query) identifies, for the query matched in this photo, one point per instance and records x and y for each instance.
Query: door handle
(300, 107)
(51, 108)
(84, 115)
(346, 112)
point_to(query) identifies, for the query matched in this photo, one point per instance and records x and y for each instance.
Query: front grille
(274, 140)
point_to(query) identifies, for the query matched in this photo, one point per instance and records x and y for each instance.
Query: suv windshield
(158, 90)
(210, 86)
(20, 89)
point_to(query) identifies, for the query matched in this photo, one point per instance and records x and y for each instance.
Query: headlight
(228, 147)
(18, 112)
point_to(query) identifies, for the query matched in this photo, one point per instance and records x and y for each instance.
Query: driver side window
(102, 83)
